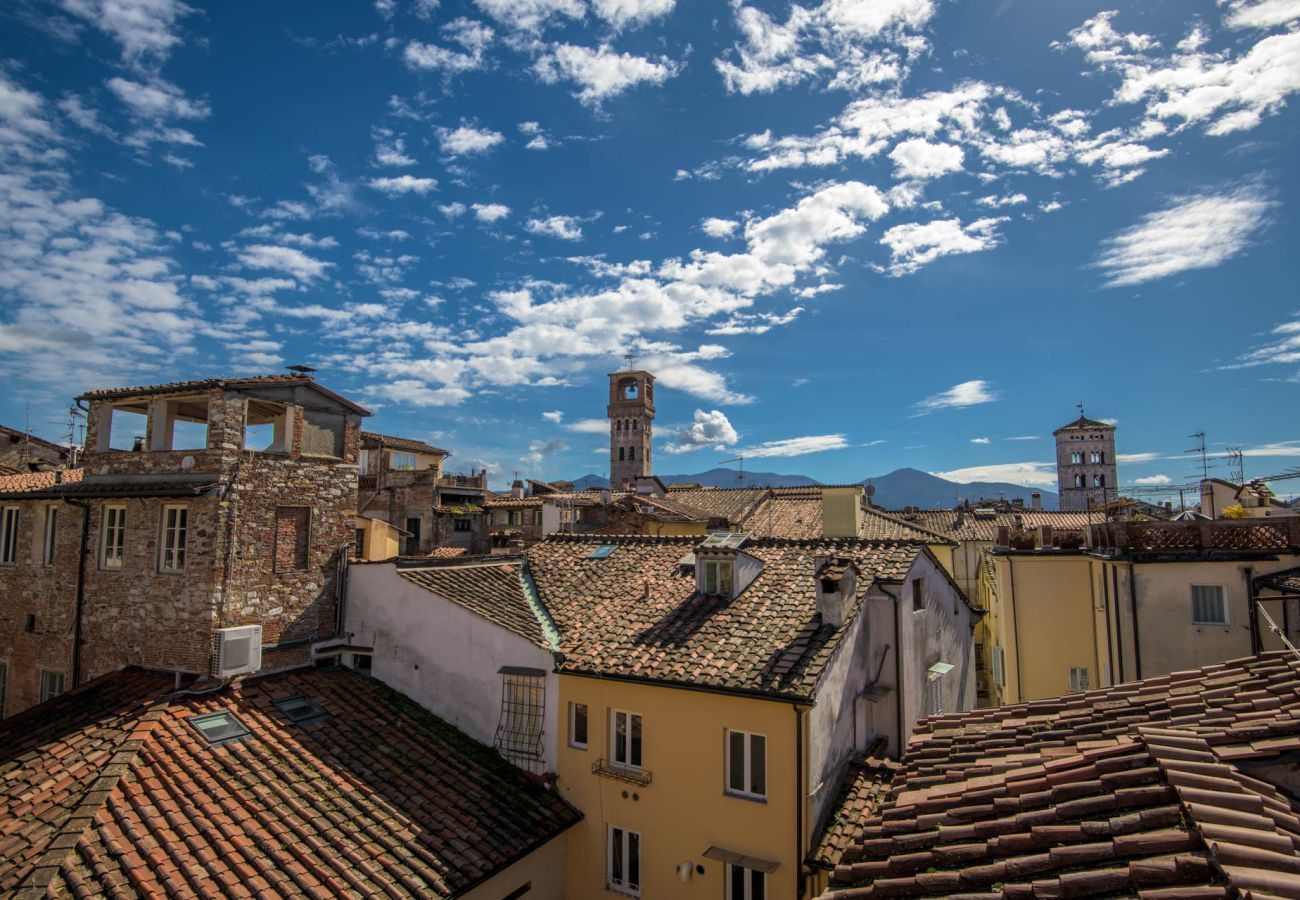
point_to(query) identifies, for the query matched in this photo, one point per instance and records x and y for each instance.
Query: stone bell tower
(1085, 464)
(631, 414)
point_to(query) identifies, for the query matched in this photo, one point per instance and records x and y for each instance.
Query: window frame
(1080, 679)
(404, 461)
(573, 722)
(933, 694)
(624, 837)
(10, 520)
(1223, 606)
(714, 567)
(918, 594)
(169, 549)
(105, 530)
(748, 892)
(52, 673)
(747, 765)
(49, 535)
(613, 740)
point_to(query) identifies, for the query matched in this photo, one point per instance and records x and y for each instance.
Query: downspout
(1092, 595)
(898, 676)
(1137, 632)
(802, 798)
(340, 587)
(1256, 645)
(1015, 628)
(1119, 632)
(81, 589)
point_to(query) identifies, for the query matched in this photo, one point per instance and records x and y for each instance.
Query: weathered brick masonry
(246, 558)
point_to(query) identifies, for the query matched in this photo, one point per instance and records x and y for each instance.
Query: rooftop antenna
(740, 459)
(1205, 461)
(301, 370)
(1080, 405)
(1237, 464)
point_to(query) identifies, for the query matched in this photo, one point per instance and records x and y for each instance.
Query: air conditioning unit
(236, 651)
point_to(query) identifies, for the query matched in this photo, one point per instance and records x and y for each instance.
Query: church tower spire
(631, 413)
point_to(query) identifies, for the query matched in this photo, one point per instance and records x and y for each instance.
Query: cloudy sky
(847, 237)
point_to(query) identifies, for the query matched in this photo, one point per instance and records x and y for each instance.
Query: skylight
(300, 709)
(601, 552)
(729, 540)
(220, 728)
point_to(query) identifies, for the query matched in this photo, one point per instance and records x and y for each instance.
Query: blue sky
(847, 236)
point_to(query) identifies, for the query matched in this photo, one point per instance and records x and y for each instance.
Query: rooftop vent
(236, 651)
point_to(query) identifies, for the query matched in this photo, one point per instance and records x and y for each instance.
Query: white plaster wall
(941, 632)
(441, 655)
(550, 518)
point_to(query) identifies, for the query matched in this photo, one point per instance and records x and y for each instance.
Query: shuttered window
(1078, 678)
(1208, 606)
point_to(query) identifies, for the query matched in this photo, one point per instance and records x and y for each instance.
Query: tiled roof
(447, 552)
(110, 791)
(722, 503)
(489, 588)
(1114, 792)
(207, 384)
(577, 498)
(862, 789)
(1084, 422)
(26, 436)
(635, 612)
(1287, 581)
(410, 445)
(38, 481)
(944, 522)
(796, 514)
(662, 510)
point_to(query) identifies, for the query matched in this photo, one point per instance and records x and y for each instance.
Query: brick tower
(631, 414)
(1085, 464)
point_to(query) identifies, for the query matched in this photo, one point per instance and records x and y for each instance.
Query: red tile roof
(491, 588)
(109, 791)
(38, 481)
(975, 528)
(447, 552)
(1124, 790)
(636, 614)
(410, 445)
(863, 788)
(207, 384)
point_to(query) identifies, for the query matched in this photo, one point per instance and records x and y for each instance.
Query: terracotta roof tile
(379, 797)
(38, 481)
(375, 439)
(491, 588)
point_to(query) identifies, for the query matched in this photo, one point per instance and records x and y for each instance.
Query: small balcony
(608, 769)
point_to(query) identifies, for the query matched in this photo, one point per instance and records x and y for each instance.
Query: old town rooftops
(111, 789)
(1162, 785)
(232, 384)
(633, 610)
(409, 445)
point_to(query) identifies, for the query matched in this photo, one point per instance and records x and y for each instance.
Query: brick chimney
(836, 583)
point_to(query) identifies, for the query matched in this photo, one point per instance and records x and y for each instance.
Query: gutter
(81, 589)
(687, 686)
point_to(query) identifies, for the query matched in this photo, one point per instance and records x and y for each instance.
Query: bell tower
(1086, 473)
(631, 415)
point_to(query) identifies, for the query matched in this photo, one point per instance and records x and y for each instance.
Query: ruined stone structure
(1085, 464)
(236, 510)
(631, 413)
(22, 452)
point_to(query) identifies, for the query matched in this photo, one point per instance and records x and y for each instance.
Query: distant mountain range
(900, 488)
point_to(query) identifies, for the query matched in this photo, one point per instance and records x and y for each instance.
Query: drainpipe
(1119, 632)
(1015, 628)
(1137, 632)
(800, 882)
(1256, 645)
(81, 588)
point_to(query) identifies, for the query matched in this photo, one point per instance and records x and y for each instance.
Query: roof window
(300, 709)
(220, 728)
(601, 552)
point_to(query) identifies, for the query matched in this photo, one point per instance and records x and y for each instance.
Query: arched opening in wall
(631, 453)
(618, 425)
(628, 389)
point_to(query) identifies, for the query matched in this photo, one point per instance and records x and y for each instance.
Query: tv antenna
(1200, 448)
(1237, 464)
(629, 358)
(740, 459)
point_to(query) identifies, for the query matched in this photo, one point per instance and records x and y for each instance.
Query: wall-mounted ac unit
(236, 651)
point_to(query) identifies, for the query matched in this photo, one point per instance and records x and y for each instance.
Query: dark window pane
(616, 856)
(757, 764)
(634, 754)
(737, 883)
(736, 756)
(757, 885)
(580, 723)
(633, 860)
(620, 737)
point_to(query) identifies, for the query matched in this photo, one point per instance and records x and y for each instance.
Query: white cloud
(1261, 13)
(554, 416)
(1029, 474)
(979, 440)
(417, 393)
(567, 228)
(796, 446)
(719, 228)
(157, 99)
(1024, 437)
(996, 202)
(453, 210)
(531, 15)
(968, 393)
(398, 185)
(1136, 457)
(1277, 448)
(1196, 232)
(283, 259)
(540, 450)
(918, 158)
(914, 245)
(474, 38)
(145, 29)
(490, 212)
(710, 429)
(467, 140)
(601, 73)
(393, 153)
(1283, 346)
(589, 426)
(624, 13)
(1154, 479)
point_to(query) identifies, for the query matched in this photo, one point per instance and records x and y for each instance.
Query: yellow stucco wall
(380, 540)
(685, 810)
(543, 870)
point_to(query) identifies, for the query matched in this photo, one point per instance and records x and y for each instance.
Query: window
(300, 709)
(933, 694)
(51, 534)
(359, 543)
(1076, 459)
(578, 725)
(1099, 481)
(1097, 458)
(997, 663)
(631, 453)
(918, 595)
(175, 528)
(746, 884)
(523, 701)
(404, 460)
(621, 452)
(1078, 678)
(51, 684)
(1208, 606)
(9, 535)
(220, 728)
(462, 524)
(363, 461)
(266, 427)
(113, 541)
(625, 738)
(601, 552)
(412, 537)
(292, 530)
(623, 862)
(715, 577)
(1078, 481)
(746, 764)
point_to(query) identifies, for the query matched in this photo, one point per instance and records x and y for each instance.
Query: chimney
(1036, 500)
(517, 489)
(1018, 502)
(1003, 538)
(1045, 533)
(842, 511)
(836, 582)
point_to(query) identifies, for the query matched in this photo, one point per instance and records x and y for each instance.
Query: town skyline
(918, 247)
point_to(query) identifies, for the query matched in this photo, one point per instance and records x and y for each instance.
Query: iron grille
(523, 706)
